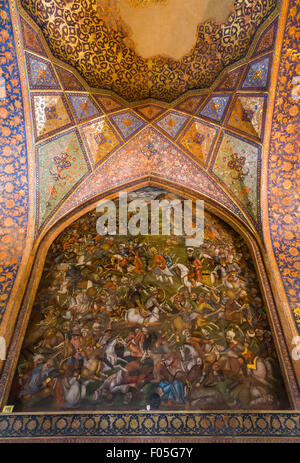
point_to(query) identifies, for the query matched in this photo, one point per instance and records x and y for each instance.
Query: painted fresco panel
(237, 164)
(61, 164)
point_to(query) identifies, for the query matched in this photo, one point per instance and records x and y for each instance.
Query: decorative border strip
(200, 424)
(281, 133)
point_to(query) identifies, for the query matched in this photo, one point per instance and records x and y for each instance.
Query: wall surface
(229, 117)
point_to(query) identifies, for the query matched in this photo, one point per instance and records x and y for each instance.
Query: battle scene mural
(121, 322)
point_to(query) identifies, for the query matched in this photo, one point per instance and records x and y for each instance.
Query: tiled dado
(259, 425)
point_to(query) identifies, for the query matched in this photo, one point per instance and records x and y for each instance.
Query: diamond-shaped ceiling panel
(41, 74)
(127, 123)
(150, 112)
(108, 104)
(50, 114)
(267, 39)
(198, 139)
(231, 80)
(215, 108)
(31, 39)
(100, 138)
(247, 114)
(257, 75)
(172, 123)
(190, 104)
(68, 80)
(84, 108)
(237, 166)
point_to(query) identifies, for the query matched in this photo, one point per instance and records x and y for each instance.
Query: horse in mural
(190, 356)
(135, 316)
(184, 276)
(263, 370)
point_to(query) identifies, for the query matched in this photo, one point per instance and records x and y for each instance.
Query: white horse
(164, 275)
(190, 356)
(111, 355)
(184, 271)
(72, 391)
(134, 316)
(263, 371)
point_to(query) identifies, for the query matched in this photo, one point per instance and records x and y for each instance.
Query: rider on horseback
(194, 265)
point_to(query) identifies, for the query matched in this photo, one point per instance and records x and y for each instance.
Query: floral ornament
(237, 164)
(61, 163)
(149, 150)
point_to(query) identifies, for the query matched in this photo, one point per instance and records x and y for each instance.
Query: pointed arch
(254, 244)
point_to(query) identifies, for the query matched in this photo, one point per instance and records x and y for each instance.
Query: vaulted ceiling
(149, 48)
(87, 140)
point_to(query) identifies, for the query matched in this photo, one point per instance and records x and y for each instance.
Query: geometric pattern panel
(257, 75)
(198, 139)
(41, 74)
(83, 107)
(68, 80)
(190, 104)
(172, 123)
(100, 139)
(247, 114)
(50, 114)
(61, 164)
(31, 39)
(237, 165)
(149, 112)
(215, 107)
(127, 123)
(107, 103)
(230, 81)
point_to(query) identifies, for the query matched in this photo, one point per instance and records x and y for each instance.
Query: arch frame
(254, 244)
